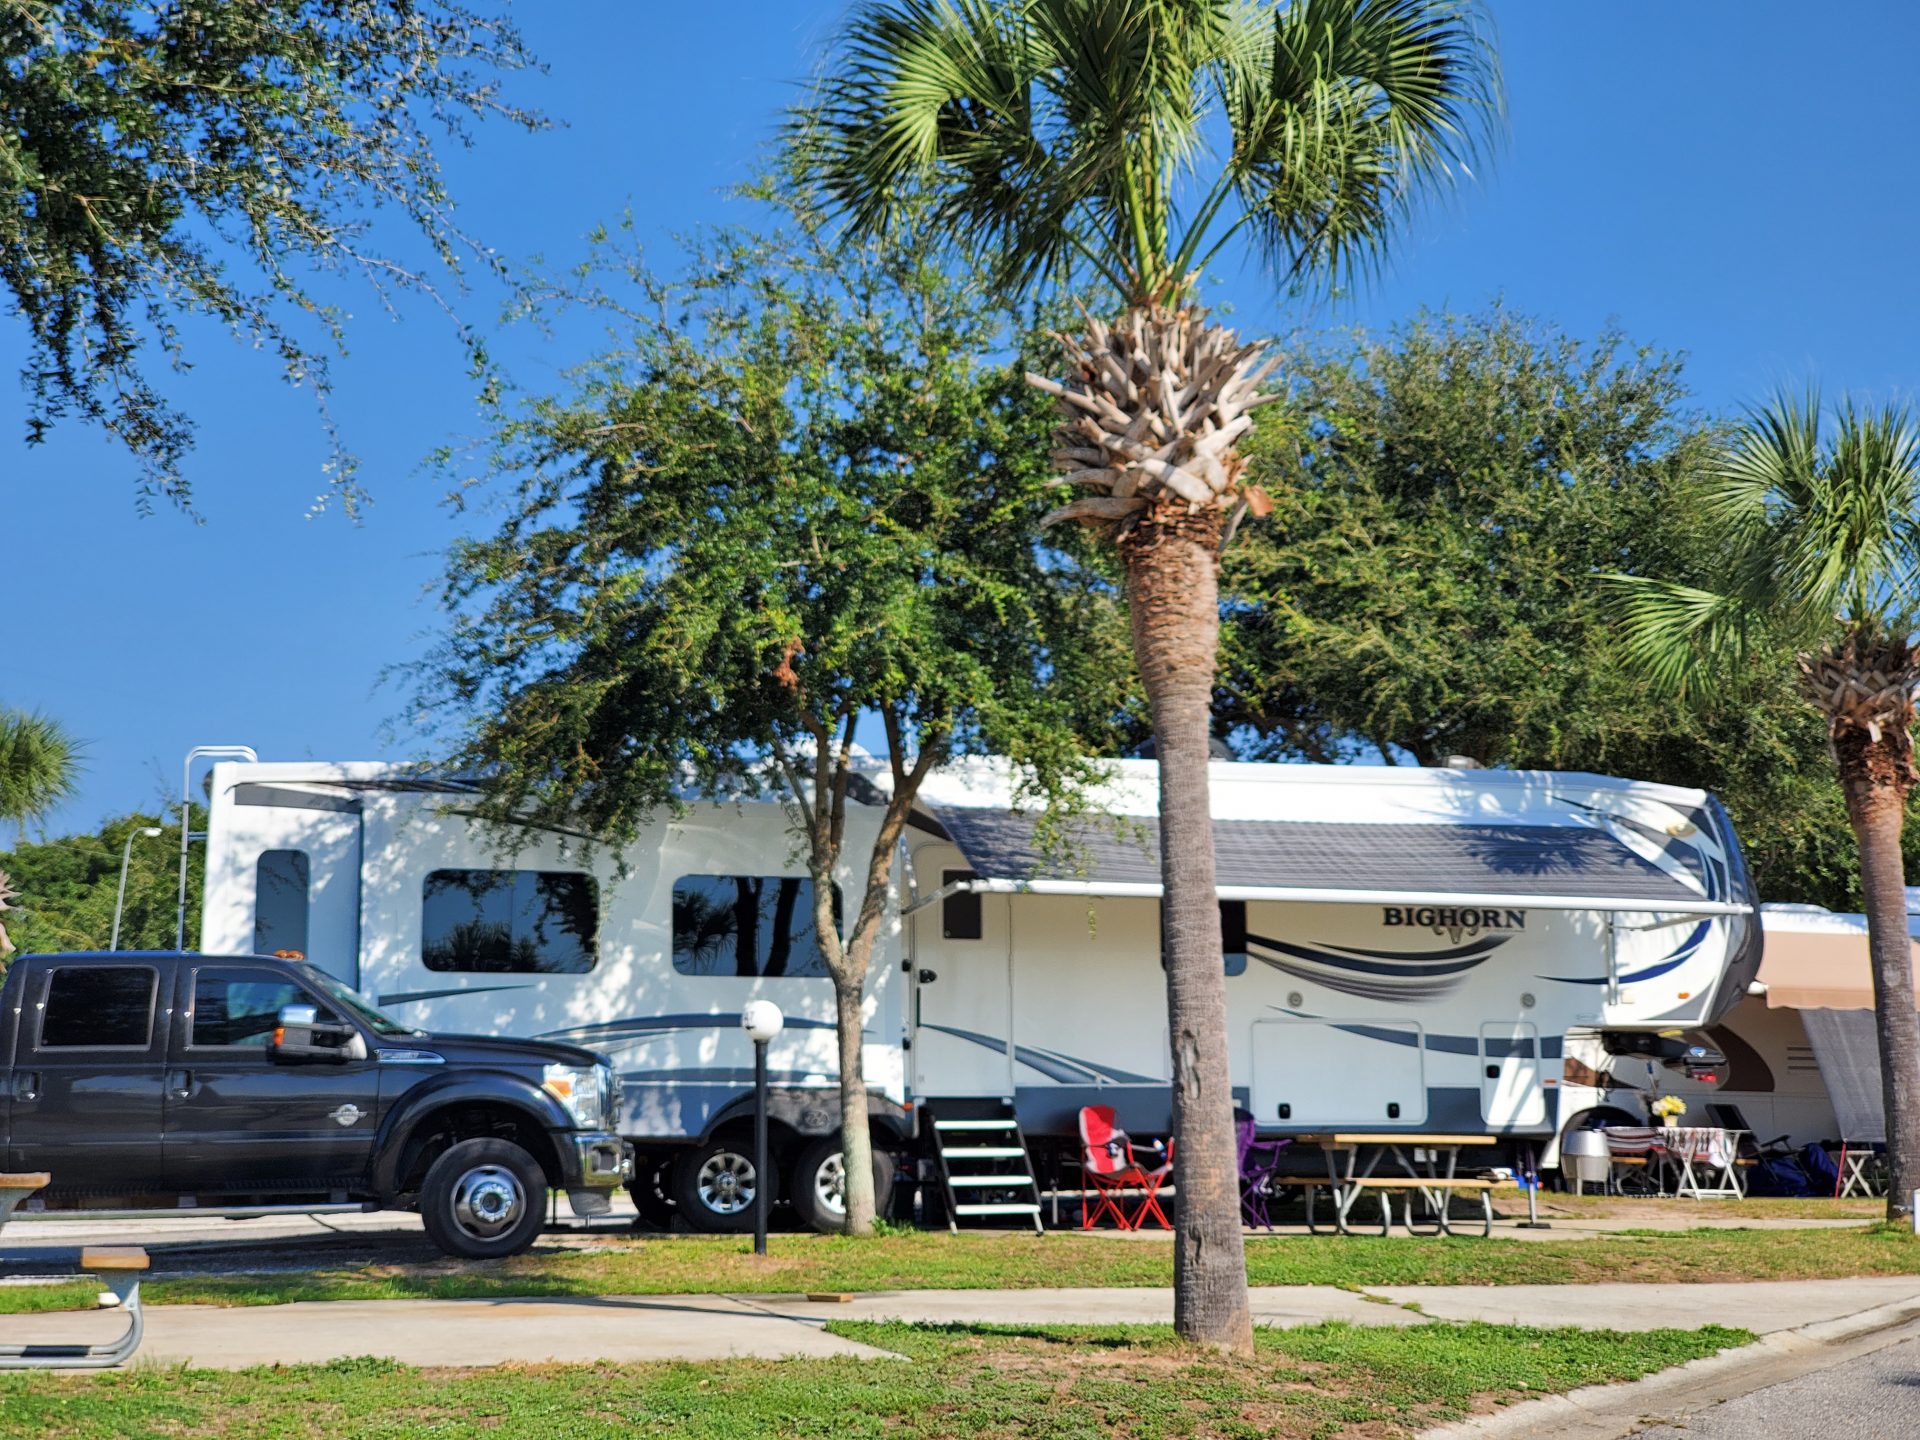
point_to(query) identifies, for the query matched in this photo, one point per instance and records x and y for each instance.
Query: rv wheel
(652, 1193)
(714, 1186)
(820, 1185)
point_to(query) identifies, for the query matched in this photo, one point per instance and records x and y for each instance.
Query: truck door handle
(26, 1085)
(180, 1084)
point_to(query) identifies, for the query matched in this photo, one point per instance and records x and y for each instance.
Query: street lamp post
(151, 832)
(762, 1020)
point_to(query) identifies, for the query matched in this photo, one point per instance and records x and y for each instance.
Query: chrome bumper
(601, 1161)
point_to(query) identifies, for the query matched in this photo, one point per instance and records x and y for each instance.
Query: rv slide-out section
(1403, 949)
(1778, 1063)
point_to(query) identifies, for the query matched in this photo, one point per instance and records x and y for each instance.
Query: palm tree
(1822, 547)
(1127, 143)
(37, 764)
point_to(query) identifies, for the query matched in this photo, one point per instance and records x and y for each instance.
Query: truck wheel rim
(487, 1201)
(726, 1183)
(830, 1184)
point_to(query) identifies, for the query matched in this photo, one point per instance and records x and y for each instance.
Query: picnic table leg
(1417, 1191)
(1348, 1192)
(1486, 1199)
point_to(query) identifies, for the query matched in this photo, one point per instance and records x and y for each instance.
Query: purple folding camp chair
(1259, 1161)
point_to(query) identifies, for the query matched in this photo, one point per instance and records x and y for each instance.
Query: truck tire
(483, 1200)
(714, 1186)
(819, 1185)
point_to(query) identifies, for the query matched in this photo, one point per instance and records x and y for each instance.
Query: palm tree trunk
(1172, 563)
(1876, 781)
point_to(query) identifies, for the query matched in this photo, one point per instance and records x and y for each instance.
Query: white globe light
(762, 1020)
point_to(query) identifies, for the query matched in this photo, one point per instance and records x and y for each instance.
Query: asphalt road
(1874, 1397)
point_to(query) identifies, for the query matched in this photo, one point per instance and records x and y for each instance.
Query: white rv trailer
(1405, 949)
(1796, 1059)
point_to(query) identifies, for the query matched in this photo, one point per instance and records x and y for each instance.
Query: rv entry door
(1510, 1093)
(963, 999)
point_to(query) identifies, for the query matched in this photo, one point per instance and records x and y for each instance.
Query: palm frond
(1362, 107)
(1681, 636)
(1821, 542)
(1072, 133)
(39, 764)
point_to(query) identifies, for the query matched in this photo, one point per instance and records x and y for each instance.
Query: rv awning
(1819, 969)
(1848, 1054)
(1544, 867)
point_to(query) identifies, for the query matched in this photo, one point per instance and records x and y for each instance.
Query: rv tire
(818, 1188)
(651, 1189)
(484, 1200)
(713, 1185)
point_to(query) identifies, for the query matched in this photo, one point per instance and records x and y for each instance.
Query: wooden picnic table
(1425, 1166)
(118, 1267)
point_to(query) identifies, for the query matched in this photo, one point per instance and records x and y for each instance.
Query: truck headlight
(587, 1092)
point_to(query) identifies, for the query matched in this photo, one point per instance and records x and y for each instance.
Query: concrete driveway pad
(1272, 1305)
(450, 1332)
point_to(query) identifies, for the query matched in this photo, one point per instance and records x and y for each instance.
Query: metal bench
(118, 1267)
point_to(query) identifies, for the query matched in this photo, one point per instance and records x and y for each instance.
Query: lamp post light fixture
(762, 1020)
(151, 832)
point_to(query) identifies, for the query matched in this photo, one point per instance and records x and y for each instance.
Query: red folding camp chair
(1107, 1163)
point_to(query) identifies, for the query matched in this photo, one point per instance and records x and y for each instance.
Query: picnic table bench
(118, 1267)
(1426, 1166)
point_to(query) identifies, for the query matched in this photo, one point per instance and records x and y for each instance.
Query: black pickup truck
(246, 1085)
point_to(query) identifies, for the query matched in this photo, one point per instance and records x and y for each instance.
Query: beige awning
(1820, 970)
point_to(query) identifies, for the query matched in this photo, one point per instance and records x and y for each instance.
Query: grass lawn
(1512, 1203)
(1054, 1383)
(1006, 1260)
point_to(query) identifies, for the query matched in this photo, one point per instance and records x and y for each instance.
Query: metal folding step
(999, 1172)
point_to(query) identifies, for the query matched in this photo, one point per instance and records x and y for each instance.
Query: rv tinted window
(960, 917)
(93, 1006)
(281, 881)
(746, 925)
(539, 922)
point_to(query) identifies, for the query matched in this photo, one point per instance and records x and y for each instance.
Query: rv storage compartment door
(1510, 1093)
(1311, 1074)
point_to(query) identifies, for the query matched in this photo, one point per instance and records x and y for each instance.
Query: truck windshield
(353, 1000)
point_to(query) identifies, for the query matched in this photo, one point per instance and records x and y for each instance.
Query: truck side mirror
(301, 1035)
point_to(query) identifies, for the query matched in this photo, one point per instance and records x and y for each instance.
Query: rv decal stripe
(1400, 990)
(1412, 965)
(1106, 1072)
(1672, 960)
(410, 997)
(1063, 1068)
(1477, 947)
(640, 1026)
(722, 1074)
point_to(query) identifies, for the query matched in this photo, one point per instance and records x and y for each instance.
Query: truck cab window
(241, 1007)
(281, 882)
(99, 1007)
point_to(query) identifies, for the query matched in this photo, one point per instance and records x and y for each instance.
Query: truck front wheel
(483, 1200)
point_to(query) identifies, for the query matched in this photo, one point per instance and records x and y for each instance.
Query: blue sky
(1728, 179)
